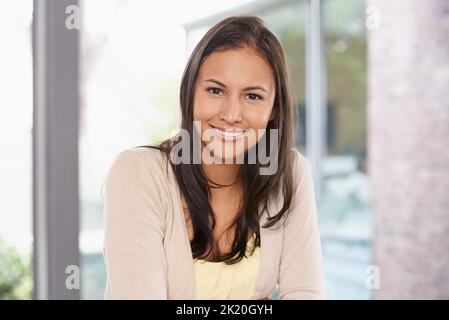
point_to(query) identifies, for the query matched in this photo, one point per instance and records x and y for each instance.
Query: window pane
(288, 23)
(16, 113)
(345, 207)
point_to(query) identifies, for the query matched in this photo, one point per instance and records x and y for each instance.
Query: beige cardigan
(146, 246)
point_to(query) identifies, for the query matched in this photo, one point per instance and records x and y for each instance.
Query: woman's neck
(225, 201)
(225, 174)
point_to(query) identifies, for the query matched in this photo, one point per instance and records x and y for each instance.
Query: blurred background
(80, 81)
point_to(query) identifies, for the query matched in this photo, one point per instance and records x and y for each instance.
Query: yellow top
(218, 281)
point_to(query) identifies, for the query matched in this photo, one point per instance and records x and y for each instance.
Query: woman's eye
(214, 90)
(254, 97)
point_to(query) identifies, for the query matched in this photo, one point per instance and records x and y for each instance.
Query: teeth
(229, 133)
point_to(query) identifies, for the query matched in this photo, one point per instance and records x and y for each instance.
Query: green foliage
(15, 274)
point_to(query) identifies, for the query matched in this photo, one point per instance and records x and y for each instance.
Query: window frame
(55, 151)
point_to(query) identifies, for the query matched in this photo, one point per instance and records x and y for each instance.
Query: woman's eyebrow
(247, 88)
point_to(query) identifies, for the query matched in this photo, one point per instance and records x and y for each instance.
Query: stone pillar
(408, 143)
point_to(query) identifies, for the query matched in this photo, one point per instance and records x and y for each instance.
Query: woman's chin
(219, 156)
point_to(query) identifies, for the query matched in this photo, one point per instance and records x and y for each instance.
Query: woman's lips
(228, 134)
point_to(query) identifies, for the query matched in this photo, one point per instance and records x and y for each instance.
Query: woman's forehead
(237, 67)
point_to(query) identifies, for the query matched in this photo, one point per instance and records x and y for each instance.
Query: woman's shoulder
(147, 154)
(138, 169)
(141, 160)
(301, 170)
(151, 154)
(299, 163)
(298, 157)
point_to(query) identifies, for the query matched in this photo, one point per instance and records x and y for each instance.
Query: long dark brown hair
(232, 33)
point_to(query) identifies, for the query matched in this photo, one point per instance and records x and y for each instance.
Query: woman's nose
(232, 110)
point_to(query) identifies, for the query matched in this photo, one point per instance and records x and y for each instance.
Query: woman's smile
(228, 134)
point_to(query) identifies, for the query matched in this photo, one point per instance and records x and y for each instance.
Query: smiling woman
(241, 100)
(218, 230)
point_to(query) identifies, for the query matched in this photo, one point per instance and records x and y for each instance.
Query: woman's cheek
(205, 109)
(203, 113)
(258, 117)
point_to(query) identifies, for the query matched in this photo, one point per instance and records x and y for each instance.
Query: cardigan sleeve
(134, 227)
(301, 274)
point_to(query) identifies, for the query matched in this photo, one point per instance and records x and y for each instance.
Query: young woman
(218, 229)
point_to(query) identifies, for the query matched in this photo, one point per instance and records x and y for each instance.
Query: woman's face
(233, 101)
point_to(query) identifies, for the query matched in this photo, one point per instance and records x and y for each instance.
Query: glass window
(345, 206)
(288, 23)
(129, 89)
(16, 117)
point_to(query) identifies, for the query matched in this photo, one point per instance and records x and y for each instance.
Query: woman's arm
(134, 230)
(301, 271)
